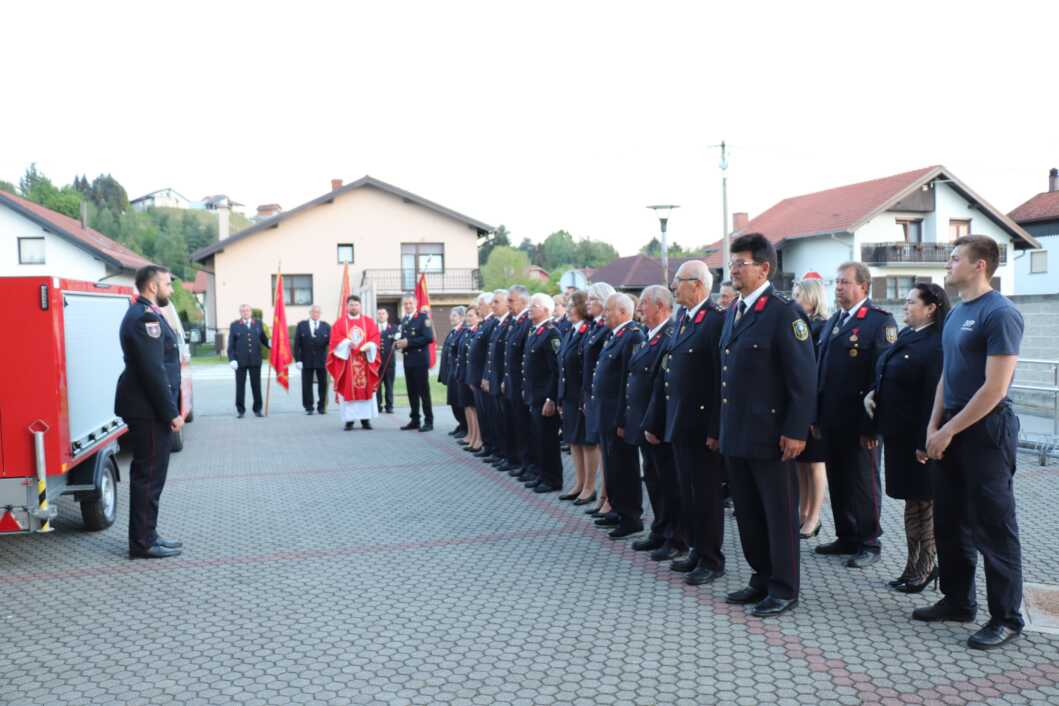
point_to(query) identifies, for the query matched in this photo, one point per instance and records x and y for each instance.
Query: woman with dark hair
(906, 378)
(573, 419)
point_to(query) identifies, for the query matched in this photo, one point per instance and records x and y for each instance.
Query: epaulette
(781, 297)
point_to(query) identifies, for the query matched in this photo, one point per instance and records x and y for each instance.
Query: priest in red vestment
(353, 361)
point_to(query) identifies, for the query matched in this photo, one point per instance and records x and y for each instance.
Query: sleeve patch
(555, 344)
(891, 334)
(801, 331)
(153, 328)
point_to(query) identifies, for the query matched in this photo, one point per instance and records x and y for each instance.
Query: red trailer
(58, 431)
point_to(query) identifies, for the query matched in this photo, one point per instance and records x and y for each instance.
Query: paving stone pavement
(388, 567)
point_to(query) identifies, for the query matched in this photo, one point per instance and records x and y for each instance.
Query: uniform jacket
(514, 354)
(563, 324)
(494, 357)
(171, 356)
(309, 350)
(591, 345)
(244, 343)
(387, 359)
(479, 348)
(644, 370)
(463, 357)
(419, 332)
(448, 353)
(608, 379)
(768, 378)
(144, 388)
(687, 408)
(540, 367)
(846, 367)
(906, 378)
(570, 364)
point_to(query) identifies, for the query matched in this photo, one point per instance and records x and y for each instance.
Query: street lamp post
(663, 211)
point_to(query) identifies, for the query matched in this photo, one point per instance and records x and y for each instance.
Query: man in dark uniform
(311, 339)
(691, 372)
(768, 400)
(388, 364)
(974, 433)
(493, 379)
(667, 539)
(476, 371)
(417, 333)
(246, 335)
(621, 461)
(851, 342)
(540, 388)
(144, 399)
(525, 463)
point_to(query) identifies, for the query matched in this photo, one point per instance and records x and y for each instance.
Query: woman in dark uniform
(570, 382)
(906, 377)
(593, 342)
(473, 440)
(447, 370)
(812, 474)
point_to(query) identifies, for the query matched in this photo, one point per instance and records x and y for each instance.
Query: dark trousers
(485, 416)
(461, 416)
(241, 373)
(700, 473)
(855, 487)
(528, 444)
(765, 494)
(418, 382)
(974, 511)
(546, 439)
(151, 443)
(503, 425)
(516, 436)
(663, 491)
(386, 383)
(622, 464)
(321, 388)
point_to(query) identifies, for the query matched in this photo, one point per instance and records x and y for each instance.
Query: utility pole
(726, 235)
(663, 211)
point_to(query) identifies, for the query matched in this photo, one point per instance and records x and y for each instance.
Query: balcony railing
(397, 281)
(911, 253)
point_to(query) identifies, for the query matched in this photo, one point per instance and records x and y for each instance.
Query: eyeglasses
(686, 279)
(739, 264)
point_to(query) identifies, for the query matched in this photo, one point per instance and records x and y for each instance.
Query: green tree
(506, 266)
(557, 249)
(595, 253)
(106, 192)
(501, 237)
(530, 248)
(8, 187)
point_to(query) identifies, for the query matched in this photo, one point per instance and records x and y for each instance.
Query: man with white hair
(692, 402)
(476, 371)
(493, 377)
(311, 338)
(621, 461)
(524, 464)
(540, 390)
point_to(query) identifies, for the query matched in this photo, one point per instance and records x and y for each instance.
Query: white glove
(298, 365)
(869, 404)
(234, 364)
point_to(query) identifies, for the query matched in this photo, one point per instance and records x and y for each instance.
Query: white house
(38, 241)
(1037, 271)
(901, 226)
(163, 198)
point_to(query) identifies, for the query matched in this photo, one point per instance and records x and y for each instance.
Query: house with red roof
(1037, 271)
(39, 241)
(631, 274)
(901, 226)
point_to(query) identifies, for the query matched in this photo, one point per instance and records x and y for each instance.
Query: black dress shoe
(944, 611)
(542, 488)
(429, 426)
(570, 496)
(622, 532)
(481, 453)
(910, 586)
(897, 582)
(647, 545)
(992, 636)
(169, 543)
(321, 410)
(666, 552)
(746, 596)
(471, 450)
(410, 426)
(349, 426)
(702, 575)
(773, 606)
(389, 410)
(608, 520)
(810, 535)
(531, 482)
(834, 549)
(515, 472)
(240, 415)
(454, 432)
(258, 414)
(687, 564)
(863, 559)
(309, 412)
(365, 423)
(459, 435)
(585, 501)
(157, 551)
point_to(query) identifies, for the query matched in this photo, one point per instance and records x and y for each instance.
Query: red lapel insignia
(621, 333)
(862, 312)
(540, 329)
(699, 316)
(760, 305)
(584, 327)
(656, 339)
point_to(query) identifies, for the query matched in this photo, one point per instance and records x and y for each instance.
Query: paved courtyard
(388, 567)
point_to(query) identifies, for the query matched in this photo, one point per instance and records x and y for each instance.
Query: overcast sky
(537, 115)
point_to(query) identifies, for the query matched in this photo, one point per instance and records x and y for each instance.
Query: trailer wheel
(177, 441)
(99, 513)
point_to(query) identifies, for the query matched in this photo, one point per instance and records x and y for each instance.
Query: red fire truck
(58, 431)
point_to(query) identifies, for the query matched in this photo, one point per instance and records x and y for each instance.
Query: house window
(1038, 262)
(31, 251)
(912, 229)
(959, 227)
(897, 286)
(345, 253)
(420, 257)
(297, 290)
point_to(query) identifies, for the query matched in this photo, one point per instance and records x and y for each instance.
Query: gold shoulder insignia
(801, 331)
(891, 334)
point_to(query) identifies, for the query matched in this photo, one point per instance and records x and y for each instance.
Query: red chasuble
(355, 378)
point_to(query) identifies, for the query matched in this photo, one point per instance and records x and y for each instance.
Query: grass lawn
(209, 359)
(438, 392)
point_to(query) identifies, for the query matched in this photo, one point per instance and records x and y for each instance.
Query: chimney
(336, 184)
(84, 213)
(268, 210)
(223, 213)
(740, 219)
(1053, 180)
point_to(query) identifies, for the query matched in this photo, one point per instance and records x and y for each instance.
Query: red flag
(423, 304)
(344, 294)
(280, 356)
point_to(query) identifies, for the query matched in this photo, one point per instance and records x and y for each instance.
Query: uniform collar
(755, 295)
(695, 309)
(620, 326)
(853, 310)
(504, 317)
(656, 329)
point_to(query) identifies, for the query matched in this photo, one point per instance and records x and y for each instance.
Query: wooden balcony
(900, 253)
(398, 281)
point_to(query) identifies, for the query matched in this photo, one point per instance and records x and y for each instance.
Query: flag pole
(268, 387)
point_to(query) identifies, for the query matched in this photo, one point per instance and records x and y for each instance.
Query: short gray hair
(485, 298)
(458, 311)
(861, 273)
(499, 292)
(600, 291)
(520, 290)
(544, 300)
(658, 295)
(700, 271)
(622, 301)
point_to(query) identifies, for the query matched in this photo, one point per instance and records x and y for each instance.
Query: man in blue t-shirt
(974, 433)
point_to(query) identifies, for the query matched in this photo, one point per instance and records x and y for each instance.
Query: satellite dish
(573, 278)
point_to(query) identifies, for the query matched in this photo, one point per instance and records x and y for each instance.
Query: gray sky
(537, 115)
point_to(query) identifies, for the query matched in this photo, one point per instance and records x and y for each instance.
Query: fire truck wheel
(99, 513)
(178, 441)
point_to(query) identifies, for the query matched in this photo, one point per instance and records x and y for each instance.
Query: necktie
(841, 322)
(740, 310)
(312, 328)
